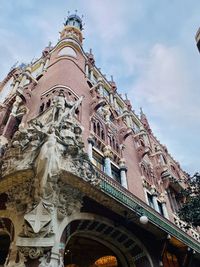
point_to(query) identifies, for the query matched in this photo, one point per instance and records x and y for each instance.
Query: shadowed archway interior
(85, 252)
(4, 248)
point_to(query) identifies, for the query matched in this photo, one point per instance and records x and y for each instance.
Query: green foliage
(190, 211)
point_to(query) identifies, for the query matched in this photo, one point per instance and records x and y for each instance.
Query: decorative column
(46, 63)
(10, 125)
(154, 198)
(111, 98)
(115, 102)
(25, 76)
(91, 143)
(123, 170)
(128, 120)
(107, 163)
(3, 111)
(16, 84)
(100, 83)
(87, 70)
(91, 75)
(164, 207)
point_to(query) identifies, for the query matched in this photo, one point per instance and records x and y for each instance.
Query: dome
(75, 21)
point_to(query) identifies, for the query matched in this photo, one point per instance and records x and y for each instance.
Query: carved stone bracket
(31, 252)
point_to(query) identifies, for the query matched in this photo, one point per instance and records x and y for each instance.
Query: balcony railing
(125, 197)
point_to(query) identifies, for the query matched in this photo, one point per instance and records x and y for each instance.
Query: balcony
(114, 190)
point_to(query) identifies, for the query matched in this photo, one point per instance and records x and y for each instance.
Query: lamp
(144, 219)
(139, 212)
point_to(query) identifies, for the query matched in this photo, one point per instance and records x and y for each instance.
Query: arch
(68, 93)
(98, 128)
(129, 250)
(67, 51)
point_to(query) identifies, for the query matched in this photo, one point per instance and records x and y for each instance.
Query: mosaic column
(123, 170)
(91, 143)
(107, 163)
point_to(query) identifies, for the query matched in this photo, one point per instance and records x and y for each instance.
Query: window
(160, 208)
(105, 93)
(174, 200)
(98, 161)
(150, 200)
(162, 160)
(115, 173)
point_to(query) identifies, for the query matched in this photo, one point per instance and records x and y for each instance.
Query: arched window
(98, 128)
(162, 160)
(41, 108)
(102, 134)
(48, 103)
(94, 127)
(113, 142)
(142, 143)
(117, 148)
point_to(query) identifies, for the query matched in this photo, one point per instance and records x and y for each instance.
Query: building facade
(84, 182)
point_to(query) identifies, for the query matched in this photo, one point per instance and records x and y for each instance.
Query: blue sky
(147, 45)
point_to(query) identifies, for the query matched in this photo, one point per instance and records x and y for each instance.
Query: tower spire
(73, 27)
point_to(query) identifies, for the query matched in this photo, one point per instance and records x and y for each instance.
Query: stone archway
(85, 251)
(111, 241)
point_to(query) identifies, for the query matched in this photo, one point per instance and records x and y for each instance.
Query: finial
(141, 111)
(126, 96)
(112, 78)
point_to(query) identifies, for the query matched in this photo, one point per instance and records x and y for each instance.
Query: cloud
(164, 87)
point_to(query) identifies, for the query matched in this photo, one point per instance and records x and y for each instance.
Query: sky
(147, 45)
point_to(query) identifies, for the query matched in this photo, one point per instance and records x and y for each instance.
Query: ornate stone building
(84, 182)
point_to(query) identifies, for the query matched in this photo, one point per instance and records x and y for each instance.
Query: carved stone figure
(48, 161)
(70, 200)
(16, 105)
(67, 132)
(106, 113)
(70, 108)
(58, 106)
(63, 108)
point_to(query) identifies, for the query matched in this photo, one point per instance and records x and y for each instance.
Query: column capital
(107, 151)
(91, 140)
(122, 164)
(153, 191)
(162, 198)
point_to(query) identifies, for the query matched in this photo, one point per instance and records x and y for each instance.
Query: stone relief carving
(69, 200)
(38, 217)
(13, 255)
(50, 145)
(13, 263)
(20, 196)
(31, 252)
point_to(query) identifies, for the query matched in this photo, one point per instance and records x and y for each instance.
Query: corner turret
(73, 27)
